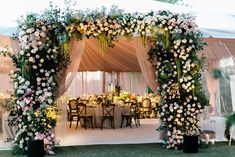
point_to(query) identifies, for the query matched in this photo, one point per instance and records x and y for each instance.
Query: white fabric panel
(86, 83)
(76, 51)
(232, 87)
(145, 66)
(6, 64)
(133, 82)
(212, 85)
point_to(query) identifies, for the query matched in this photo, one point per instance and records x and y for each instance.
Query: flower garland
(179, 70)
(35, 80)
(44, 41)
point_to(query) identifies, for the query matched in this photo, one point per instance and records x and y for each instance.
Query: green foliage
(216, 73)
(230, 120)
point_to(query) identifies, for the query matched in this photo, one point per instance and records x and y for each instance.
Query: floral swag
(44, 42)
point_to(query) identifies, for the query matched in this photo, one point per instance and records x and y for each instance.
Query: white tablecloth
(96, 112)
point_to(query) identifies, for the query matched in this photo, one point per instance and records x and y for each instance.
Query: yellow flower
(51, 113)
(36, 113)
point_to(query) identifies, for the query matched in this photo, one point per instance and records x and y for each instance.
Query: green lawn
(136, 150)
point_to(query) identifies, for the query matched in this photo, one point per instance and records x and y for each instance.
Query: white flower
(36, 33)
(31, 59)
(49, 101)
(27, 83)
(34, 67)
(184, 41)
(42, 60)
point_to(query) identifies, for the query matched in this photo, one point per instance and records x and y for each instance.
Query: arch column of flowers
(44, 41)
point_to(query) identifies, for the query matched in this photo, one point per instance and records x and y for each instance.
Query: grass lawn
(136, 150)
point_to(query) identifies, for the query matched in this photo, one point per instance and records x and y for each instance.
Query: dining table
(96, 112)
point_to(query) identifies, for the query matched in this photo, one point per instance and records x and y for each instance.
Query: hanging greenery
(217, 73)
(44, 42)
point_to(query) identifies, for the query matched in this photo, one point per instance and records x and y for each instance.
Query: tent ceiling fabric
(123, 56)
(120, 58)
(219, 48)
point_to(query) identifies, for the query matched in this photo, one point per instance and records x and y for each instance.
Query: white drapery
(212, 84)
(87, 83)
(145, 66)
(133, 82)
(75, 53)
(6, 64)
(7, 42)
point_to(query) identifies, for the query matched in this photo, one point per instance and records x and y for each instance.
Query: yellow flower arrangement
(51, 113)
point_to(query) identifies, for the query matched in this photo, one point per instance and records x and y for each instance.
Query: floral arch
(44, 42)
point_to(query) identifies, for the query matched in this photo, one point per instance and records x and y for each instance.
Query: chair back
(73, 105)
(135, 109)
(146, 104)
(121, 102)
(134, 101)
(84, 101)
(82, 109)
(108, 110)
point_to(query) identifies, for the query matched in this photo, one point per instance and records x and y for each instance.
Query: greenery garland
(44, 42)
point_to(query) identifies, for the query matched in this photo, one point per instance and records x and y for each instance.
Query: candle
(206, 138)
(213, 141)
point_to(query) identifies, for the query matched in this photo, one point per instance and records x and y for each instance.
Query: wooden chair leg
(122, 121)
(85, 123)
(113, 123)
(77, 123)
(91, 122)
(130, 121)
(102, 121)
(135, 118)
(138, 120)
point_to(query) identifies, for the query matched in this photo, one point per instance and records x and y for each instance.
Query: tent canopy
(123, 56)
(120, 58)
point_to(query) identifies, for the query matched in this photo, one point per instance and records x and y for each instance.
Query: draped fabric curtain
(145, 65)
(7, 42)
(133, 82)
(6, 64)
(75, 53)
(212, 84)
(88, 83)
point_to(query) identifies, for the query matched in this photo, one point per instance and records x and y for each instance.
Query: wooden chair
(121, 102)
(134, 101)
(108, 113)
(146, 107)
(134, 112)
(72, 111)
(82, 115)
